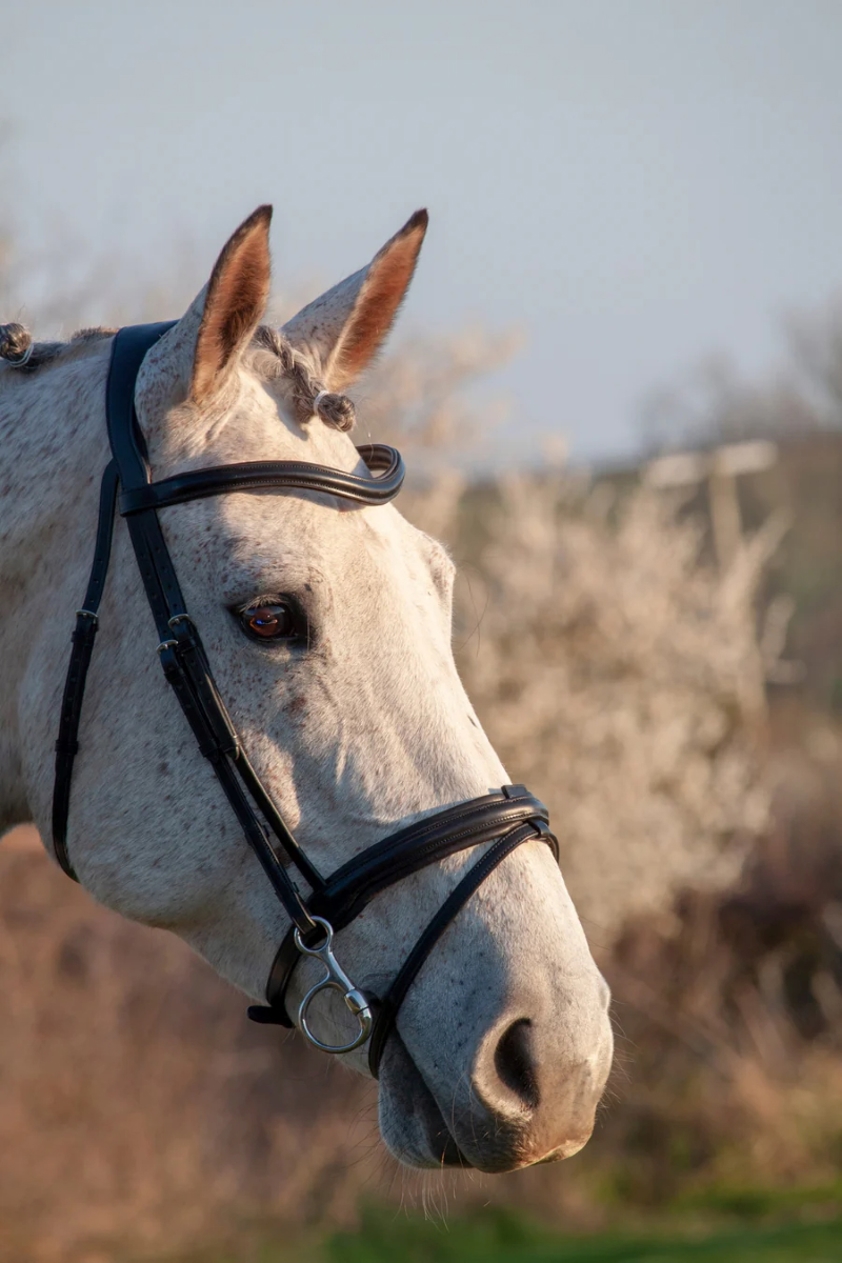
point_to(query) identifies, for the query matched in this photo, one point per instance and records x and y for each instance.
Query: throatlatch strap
(83, 637)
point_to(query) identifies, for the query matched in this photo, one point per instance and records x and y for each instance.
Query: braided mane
(309, 395)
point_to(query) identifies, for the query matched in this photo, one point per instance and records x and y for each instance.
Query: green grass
(499, 1235)
(752, 1202)
(501, 1238)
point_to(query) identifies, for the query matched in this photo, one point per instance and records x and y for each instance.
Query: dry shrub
(137, 1103)
(420, 397)
(623, 677)
(732, 1022)
(618, 676)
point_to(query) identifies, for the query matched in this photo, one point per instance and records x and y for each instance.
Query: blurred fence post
(720, 468)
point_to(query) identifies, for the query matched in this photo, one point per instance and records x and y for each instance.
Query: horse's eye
(270, 620)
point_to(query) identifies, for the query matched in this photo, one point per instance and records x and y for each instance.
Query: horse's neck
(53, 448)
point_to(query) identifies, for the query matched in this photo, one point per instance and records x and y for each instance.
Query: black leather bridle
(506, 819)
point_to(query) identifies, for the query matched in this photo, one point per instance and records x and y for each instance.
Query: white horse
(503, 1044)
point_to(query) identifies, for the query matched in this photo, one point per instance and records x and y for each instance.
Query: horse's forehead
(251, 420)
(264, 529)
(260, 426)
(264, 540)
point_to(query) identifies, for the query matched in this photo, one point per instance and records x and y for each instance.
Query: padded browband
(348, 890)
(260, 475)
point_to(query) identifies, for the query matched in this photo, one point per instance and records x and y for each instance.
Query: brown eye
(269, 620)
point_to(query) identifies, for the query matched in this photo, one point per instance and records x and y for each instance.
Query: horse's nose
(515, 1064)
(538, 1099)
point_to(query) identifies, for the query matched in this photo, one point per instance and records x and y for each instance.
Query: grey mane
(280, 360)
(24, 355)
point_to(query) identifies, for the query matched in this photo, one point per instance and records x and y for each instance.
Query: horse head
(327, 626)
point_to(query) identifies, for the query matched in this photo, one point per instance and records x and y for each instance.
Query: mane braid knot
(15, 345)
(335, 410)
(309, 396)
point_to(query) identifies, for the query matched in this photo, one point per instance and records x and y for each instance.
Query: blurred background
(618, 385)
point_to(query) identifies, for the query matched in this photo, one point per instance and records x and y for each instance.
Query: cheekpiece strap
(84, 634)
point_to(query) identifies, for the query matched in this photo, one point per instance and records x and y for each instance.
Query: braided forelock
(310, 397)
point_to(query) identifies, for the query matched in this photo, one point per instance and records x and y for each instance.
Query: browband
(266, 475)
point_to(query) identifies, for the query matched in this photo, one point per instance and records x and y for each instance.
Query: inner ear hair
(380, 296)
(236, 299)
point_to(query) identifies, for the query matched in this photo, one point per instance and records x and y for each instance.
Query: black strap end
(266, 1016)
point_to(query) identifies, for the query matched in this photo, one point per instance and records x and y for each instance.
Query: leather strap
(347, 891)
(387, 1008)
(266, 475)
(87, 623)
(181, 651)
(431, 839)
(84, 634)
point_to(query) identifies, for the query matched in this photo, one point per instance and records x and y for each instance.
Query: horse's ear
(343, 330)
(234, 303)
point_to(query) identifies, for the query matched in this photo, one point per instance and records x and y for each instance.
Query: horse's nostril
(515, 1064)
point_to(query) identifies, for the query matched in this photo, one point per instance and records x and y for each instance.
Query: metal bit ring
(335, 979)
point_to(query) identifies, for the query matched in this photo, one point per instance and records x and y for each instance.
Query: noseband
(505, 819)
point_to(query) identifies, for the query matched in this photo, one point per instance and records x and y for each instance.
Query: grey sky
(633, 183)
